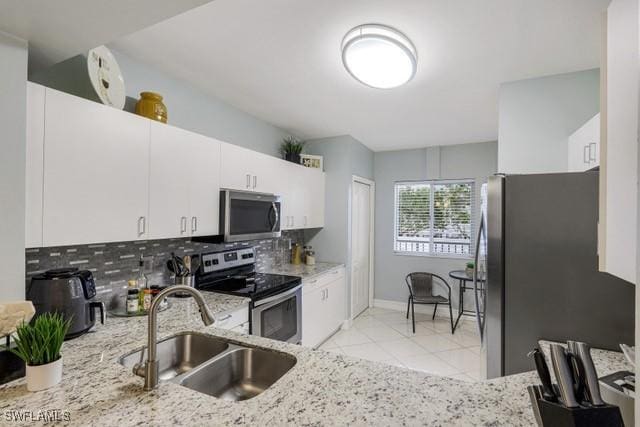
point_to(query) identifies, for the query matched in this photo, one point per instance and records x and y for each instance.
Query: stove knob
(207, 263)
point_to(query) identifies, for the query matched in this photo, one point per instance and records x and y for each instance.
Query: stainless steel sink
(216, 366)
(180, 353)
(240, 373)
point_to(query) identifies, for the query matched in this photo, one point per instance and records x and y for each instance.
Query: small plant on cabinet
(291, 148)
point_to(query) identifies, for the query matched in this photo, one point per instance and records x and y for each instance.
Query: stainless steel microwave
(246, 215)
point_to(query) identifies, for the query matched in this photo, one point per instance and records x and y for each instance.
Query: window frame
(432, 182)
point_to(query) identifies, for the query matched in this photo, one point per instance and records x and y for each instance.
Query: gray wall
(188, 107)
(538, 115)
(477, 161)
(13, 107)
(344, 157)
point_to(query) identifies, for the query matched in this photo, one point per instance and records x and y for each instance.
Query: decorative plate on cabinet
(106, 77)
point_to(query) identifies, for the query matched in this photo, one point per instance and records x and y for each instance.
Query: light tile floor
(386, 336)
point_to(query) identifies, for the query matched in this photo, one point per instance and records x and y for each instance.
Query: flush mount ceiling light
(379, 56)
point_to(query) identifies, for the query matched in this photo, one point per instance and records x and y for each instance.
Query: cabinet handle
(593, 144)
(293, 221)
(255, 181)
(585, 154)
(183, 224)
(305, 220)
(223, 318)
(248, 181)
(142, 225)
(194, 224)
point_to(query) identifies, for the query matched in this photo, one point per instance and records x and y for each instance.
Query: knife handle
(590, 376)
(545, 377)
(564, 376)
(577, 369)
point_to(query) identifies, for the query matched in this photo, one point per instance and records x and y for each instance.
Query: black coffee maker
(69, 292)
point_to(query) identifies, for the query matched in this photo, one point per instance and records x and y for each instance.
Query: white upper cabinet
(618, 215)
(96, 172)
(184, 183)
(302, 190)
(169, 182)
(34, 167)
(584, 146)
(292, 192)
(314, 201)
(248, 170)
(303, 194)
(204, 189)
(238, 168)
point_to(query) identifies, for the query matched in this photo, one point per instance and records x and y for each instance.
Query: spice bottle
(133, 305)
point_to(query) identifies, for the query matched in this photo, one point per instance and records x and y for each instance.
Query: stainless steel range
(276, 300)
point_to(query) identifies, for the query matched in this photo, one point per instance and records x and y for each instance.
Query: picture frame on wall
(311, 161)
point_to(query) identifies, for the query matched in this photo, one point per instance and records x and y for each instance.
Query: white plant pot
(44, 376)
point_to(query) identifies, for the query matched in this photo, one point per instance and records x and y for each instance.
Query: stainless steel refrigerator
(537, 249)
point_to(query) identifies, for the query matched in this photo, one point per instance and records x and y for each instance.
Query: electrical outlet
(147, 264)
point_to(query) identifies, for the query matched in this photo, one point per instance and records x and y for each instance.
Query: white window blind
(434, 217)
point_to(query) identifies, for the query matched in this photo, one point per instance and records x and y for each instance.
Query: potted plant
(38, 344)
(291, 148)
(469, 269)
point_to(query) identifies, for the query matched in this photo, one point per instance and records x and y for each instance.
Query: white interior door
(361, 219)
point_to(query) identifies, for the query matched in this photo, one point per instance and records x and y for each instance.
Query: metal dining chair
(421, 287)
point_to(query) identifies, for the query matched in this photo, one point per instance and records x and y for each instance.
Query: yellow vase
(150, 105)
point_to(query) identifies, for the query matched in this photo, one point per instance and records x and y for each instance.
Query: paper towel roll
(12, 314)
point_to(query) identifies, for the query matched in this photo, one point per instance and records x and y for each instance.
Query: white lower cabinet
(236, 320)
(323, 306)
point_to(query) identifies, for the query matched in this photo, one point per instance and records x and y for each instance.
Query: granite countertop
(605, 361)
(304, 271)
(321, 389)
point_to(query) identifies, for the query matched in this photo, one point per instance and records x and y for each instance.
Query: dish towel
(12, 314)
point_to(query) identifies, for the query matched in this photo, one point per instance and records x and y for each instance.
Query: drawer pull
(223, 318)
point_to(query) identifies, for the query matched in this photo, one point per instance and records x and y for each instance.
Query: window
(434, 217)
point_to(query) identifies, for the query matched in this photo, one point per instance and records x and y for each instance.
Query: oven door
(249, 216)
(279, 317)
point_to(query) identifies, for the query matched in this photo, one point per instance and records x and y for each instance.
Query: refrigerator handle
(475, 278)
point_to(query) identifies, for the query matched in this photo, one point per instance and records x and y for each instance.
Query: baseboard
(443, 311)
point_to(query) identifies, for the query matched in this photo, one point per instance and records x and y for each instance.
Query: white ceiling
(59, 29)
(280, 60)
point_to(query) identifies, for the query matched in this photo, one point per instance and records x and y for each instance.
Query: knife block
(556, 415)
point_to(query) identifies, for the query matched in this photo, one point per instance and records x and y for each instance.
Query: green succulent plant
(291, 145)
(39, 343)
(470, 265)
